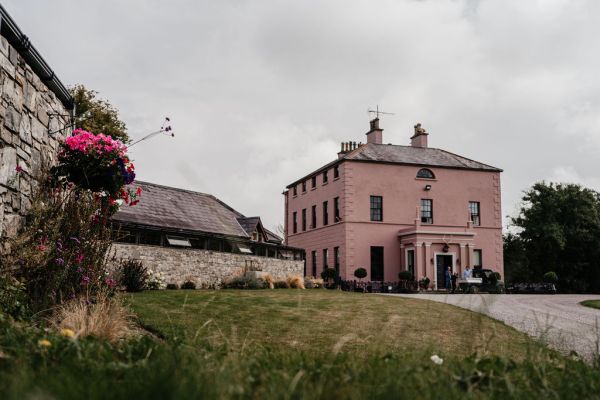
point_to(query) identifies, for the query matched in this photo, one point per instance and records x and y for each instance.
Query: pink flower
(18, 169)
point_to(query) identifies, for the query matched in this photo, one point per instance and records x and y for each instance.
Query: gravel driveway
(559, 320)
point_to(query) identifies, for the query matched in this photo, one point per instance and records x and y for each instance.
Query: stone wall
(204, 267)
(25, 102)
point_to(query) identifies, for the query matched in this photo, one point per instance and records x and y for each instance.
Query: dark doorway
(376, 263)
(442, 262)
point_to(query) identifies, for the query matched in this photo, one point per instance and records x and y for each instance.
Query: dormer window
(425, 173)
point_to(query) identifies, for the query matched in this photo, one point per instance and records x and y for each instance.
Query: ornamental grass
(295, 282)
(103, 318)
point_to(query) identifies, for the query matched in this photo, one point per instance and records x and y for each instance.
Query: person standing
(448, 278)
(454, 278)
(467, 273)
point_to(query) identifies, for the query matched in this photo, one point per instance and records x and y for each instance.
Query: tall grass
(104, 318)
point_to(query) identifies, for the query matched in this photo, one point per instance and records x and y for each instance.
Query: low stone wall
(204, 267)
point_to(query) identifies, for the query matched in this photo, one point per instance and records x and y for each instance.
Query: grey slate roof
(248, 224)
(415, 155)
(180, 209)
(409, 155)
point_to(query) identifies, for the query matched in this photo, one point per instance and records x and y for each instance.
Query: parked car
(482, 280)
(531, 288)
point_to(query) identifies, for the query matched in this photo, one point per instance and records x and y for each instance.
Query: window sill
(325, 183)
(313, 189)
(336, 179)
(426, 179)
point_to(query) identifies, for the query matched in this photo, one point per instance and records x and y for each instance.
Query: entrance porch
(429, 251)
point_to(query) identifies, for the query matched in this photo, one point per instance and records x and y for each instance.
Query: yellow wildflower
(67, 332)
(44, 343)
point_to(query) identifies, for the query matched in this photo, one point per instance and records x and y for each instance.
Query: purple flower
(75, 239)
(60, 261)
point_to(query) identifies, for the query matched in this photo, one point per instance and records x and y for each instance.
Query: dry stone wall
(25, 102)
(204, 267)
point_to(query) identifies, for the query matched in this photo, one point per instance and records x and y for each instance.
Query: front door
(442, 262)
(376, 263)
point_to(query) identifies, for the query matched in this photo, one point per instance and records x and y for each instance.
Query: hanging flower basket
(97, 163)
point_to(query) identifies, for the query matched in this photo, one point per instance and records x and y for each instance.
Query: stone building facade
(35, 114)
(189, 235)
(205, 268)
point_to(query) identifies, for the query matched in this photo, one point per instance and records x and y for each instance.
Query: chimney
(419, 139)
(375, 135)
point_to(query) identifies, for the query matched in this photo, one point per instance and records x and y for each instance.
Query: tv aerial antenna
(378, 113)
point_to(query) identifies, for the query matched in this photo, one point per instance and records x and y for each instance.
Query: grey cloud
(261, 93)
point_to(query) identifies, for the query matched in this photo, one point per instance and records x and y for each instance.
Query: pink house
(389, 208)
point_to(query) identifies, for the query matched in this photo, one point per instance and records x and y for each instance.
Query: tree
(360, 273)
(97, 115)
(560, 231)
(516, 266)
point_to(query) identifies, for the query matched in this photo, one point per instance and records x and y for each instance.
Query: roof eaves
(10, 30)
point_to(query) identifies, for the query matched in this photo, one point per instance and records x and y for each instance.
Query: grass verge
(591, 303)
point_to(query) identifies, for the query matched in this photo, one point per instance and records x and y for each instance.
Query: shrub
(188, 285)
(60, 252)
(295, 282)
(133, 276)
(104, 317)
(269, 281)
(550, 277)
(281, 285)
(313, 283)
(13, 297)
(155, 280)
(406, 276)
(328, 273)
(172, 286)
(360, 273)
(245, 281)
(424, 283)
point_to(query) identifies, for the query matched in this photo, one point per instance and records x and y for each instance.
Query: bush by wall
(188, 285)
(550, 277)
(360, 273)
(406, 276)
(244, 282)
(133, 276)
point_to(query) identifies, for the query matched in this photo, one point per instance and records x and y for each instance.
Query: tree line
(557, 229)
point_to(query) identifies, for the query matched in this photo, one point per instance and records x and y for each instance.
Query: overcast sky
(262, 92)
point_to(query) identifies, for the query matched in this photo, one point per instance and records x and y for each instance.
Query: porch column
(402, 265)
(469, 256)
(418, 259)
(463, 259)
(428, 269)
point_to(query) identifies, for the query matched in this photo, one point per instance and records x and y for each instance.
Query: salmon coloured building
(389, 208)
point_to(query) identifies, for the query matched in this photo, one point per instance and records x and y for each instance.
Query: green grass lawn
(320, 320)
(591, 303)
(293, 344)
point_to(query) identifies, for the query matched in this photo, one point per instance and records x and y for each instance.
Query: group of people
(451, 278)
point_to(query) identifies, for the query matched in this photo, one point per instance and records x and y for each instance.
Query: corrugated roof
(168, 207)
